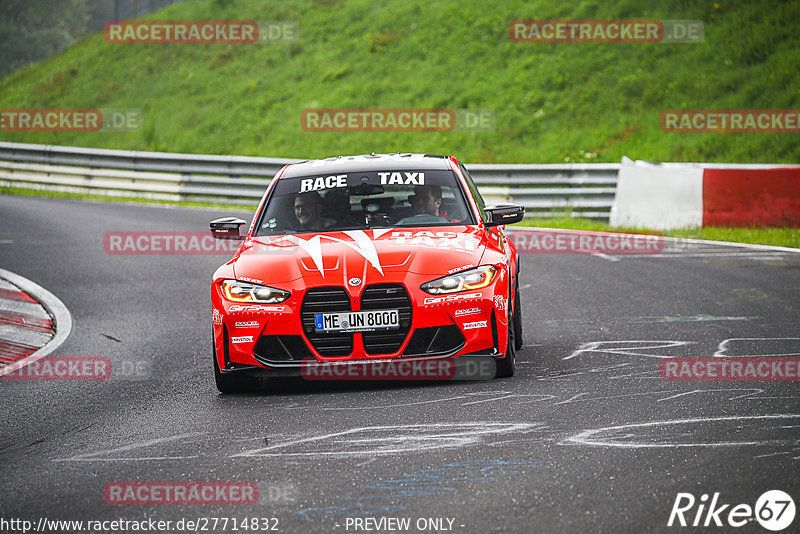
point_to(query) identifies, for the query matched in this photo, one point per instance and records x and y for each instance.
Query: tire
(507, 364)
(234, 382)
(518, 342)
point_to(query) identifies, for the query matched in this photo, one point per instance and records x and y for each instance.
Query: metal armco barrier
(585, 190)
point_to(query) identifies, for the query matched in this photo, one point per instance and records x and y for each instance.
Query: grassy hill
(553, 102)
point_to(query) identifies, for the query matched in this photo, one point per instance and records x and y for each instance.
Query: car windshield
(348, 201)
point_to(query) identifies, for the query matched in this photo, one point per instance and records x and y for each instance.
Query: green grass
(552, 102)
(22, 191)
(782, 237)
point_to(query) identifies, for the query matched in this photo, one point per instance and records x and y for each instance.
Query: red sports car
(366, 259)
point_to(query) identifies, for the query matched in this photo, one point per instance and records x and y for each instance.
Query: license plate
(357, 321)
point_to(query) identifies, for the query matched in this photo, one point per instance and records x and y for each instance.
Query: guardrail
(584, 190)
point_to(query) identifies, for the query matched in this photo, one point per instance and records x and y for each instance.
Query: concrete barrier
(679, 195)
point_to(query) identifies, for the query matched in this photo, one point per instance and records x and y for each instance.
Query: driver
(308, 210)
(427, 199)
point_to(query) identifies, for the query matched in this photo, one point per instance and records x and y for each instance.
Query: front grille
(326, 300)
(386, 297)
(336, 300)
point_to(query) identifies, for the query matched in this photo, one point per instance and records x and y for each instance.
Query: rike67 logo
(774, 510)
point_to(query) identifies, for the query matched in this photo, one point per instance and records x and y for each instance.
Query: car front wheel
(234, 382)
(507, 364)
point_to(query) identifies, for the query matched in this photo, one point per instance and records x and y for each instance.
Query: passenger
(426, 202)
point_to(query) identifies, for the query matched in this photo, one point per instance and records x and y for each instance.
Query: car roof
(367, 163)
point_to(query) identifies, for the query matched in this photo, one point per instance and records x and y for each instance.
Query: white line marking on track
(91, 457)
(574, 397)
(641, 375)
(385, 406)
(391, 439)
(729, 244)
(599, 346)
(605, 256)
(723, 346)
(587, 437)
(770, 256)
(771, 454)
(543, 396)
(753, 391)
(492, 399)
(136, 459)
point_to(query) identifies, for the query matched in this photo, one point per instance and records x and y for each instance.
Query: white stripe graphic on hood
(361, 243)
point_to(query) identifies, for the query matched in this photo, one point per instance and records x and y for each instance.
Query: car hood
(332, 258)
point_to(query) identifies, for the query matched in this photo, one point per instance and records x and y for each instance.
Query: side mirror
(227, 228)
(498, 214)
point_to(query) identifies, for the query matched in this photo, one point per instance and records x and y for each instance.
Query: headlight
(237, 291)
(467, 281)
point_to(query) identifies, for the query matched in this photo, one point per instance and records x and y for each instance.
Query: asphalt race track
(587, 437)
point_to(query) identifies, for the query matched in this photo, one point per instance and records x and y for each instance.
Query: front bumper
(280, 339)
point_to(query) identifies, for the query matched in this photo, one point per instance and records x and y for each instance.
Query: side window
(474, 189)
